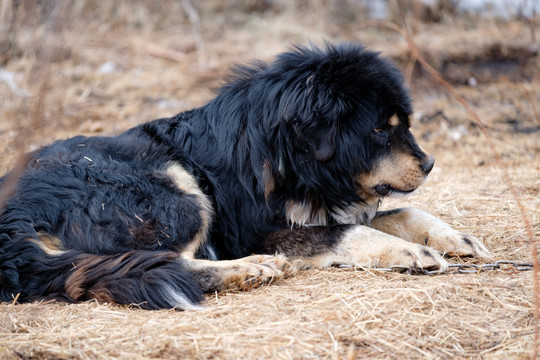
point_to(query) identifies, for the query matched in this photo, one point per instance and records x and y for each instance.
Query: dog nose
(427, 165)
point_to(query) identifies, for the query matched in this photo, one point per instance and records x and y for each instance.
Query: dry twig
(197, 32)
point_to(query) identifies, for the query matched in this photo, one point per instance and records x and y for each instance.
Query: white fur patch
(180, 301)
(355, 213)
(303, 214)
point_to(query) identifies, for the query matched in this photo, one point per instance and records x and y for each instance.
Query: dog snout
(427, 164)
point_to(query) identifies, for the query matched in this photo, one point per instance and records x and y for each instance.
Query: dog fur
(287, 164)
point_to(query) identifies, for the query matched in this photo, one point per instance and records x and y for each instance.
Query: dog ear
(317, 137)
(322, 142)
(312, 109)
(321, 115)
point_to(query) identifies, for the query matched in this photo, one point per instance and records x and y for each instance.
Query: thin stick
(196, 24)
(15, 298)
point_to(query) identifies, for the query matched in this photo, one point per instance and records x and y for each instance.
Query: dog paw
(381, 250)
(422, 228)
(410, 256)
(257, 270)
(451, 242)
(277, 264)
(365, 247)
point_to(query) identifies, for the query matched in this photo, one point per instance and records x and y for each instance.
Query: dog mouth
(387, 189)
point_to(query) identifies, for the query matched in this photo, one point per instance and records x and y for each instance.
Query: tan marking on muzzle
(399, 170)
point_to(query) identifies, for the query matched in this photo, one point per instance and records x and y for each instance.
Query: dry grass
(335, 313)
(317, 314)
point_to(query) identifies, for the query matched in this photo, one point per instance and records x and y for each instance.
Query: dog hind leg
(147, 279)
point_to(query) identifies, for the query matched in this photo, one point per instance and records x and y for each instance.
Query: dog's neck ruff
(356, 213)
(305, 214)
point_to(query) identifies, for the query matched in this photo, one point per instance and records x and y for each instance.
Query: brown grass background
(98, 68)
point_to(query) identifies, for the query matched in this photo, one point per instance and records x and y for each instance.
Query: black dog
(291, 159)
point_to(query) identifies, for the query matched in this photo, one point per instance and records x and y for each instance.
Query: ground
(93, 68)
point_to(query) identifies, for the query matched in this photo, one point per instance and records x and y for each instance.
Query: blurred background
(92, 67)
(95, 67)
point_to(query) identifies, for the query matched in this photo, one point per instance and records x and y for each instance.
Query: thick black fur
(297, 129)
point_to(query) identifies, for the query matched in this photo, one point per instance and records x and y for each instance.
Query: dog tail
(148, 279)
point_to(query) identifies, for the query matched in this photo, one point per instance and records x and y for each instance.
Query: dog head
(344, 114)
(322, 131)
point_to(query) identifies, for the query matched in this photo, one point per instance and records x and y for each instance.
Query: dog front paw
(381, 250)
(451, 242)
(422, 228)
(365, 247)
(410, 256)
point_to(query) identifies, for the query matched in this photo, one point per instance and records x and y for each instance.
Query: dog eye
(381, 136)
